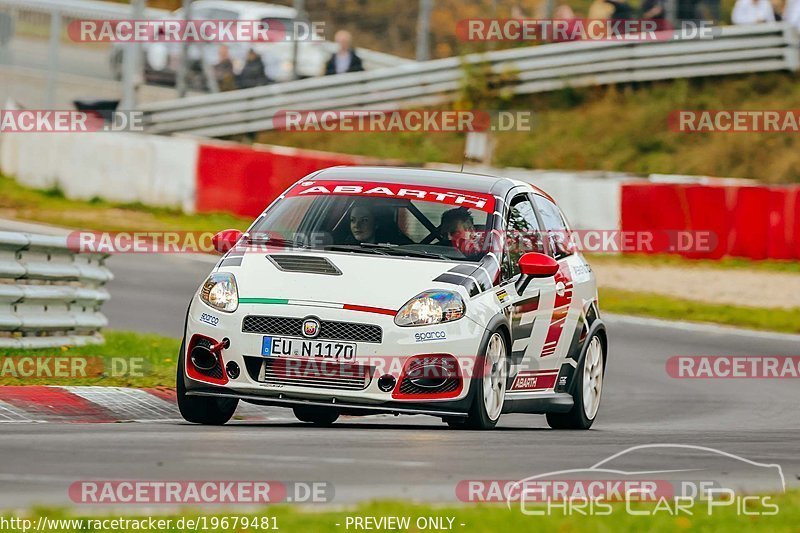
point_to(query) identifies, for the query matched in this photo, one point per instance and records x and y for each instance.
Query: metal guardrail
(49, 295)
(81, 9)
(736, 50)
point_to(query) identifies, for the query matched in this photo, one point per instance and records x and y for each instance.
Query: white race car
(364, 290)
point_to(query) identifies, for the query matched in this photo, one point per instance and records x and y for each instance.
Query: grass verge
(480, 518)
(658, 306)
(127, 359)
(51, 207)
(726, 263)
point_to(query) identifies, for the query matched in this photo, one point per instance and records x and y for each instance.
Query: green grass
(480, 518)
(51, 207)
(726, 263)
(154, 357)
(669, 308)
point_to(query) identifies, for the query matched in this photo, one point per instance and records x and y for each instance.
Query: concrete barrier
(119, 167)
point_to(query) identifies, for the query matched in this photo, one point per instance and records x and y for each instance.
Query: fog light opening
(232, 369)
(386, 383)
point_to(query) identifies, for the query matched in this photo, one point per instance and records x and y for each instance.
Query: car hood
(365, 280)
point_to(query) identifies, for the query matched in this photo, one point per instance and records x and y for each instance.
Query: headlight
(431, 307)
(219, 291)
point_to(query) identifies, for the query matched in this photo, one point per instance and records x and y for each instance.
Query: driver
(363, 225)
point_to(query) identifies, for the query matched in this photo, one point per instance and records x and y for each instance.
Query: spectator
(791, 13)
(253, 74)
(752, 12)
(778, 7)
(653, 10)
(345, 58)
(600, 10)
(564, 12)
(223, 70)
(622, 9)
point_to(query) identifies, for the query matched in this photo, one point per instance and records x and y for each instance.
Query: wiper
(353, 248)
(394, 249)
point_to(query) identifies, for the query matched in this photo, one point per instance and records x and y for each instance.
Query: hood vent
(309, 264)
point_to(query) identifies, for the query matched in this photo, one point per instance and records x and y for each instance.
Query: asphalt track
(413, 457)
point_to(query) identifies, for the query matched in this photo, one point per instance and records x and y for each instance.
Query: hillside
(622, 128)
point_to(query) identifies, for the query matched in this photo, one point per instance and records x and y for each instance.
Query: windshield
(380, 220)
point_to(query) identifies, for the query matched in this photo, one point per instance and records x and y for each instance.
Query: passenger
(457, 224)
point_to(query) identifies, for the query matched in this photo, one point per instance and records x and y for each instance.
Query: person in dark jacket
(252, 74)
(345, 58)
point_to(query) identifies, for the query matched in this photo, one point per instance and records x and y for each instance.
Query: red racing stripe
(55, 404)
(367, 309)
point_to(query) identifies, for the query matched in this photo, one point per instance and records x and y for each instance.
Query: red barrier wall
(692, 220)
(756, 222)
(244, 180)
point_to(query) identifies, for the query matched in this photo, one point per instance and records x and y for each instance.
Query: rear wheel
(490, 390)
(587, 391)
(202, 409)
(316, 416)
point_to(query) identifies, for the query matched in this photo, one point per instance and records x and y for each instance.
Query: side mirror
(226, 239)
(538, 265)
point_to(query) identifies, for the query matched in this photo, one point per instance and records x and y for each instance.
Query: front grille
(304, 263)
(315, 374)
(329, 330)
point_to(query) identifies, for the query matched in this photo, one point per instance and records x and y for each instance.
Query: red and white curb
(102, 405)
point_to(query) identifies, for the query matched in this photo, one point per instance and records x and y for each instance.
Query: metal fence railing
(736, 50)
(49, 295)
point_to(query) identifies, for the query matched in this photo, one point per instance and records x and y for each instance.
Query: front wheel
(490, 392)
(587, 391)
(201, 409)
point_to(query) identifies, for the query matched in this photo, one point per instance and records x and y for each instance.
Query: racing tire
(490, 386)
(588, 390)
(318, 417)
(200, 409)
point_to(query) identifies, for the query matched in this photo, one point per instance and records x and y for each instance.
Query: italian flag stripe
(274, 301)
(328, 305)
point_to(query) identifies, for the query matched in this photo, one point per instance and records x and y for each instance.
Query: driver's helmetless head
(456, 223)
(362, 224)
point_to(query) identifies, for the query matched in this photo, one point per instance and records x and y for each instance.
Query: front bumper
(460, 339)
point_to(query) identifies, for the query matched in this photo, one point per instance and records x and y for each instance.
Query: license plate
(291, 347)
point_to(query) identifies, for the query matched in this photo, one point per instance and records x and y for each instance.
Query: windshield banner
(469, 200)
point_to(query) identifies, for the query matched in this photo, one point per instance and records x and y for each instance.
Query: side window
(522, 234)
(559, 242)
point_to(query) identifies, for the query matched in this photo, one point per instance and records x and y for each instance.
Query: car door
(531, 300)
(574, 284)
